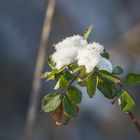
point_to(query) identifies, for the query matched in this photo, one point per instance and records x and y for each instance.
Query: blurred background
(116, 26)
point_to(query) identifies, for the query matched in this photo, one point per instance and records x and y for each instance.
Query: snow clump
(66, 51)
(76, 48)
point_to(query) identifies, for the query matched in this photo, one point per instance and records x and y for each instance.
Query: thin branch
(132, 117)
(73, 79)
(130, 114)
(135, 121)
(31, 114)
(114, 101)
(70, 83)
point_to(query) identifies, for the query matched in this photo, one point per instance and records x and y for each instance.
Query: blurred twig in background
(31, 115)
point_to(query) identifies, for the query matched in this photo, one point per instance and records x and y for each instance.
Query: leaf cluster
(64, 104)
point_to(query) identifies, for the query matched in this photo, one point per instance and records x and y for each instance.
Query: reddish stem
(132, 117)
(135, 121)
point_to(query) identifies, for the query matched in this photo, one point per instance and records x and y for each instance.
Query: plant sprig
(64, 104)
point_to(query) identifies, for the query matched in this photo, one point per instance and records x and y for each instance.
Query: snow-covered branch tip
(87, 64)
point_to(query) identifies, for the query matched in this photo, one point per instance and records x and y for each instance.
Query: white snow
(96, 46)
(65, 56)
(73, 41)
(105, 64)
(89, 58)
(66, 51)
(76, 48)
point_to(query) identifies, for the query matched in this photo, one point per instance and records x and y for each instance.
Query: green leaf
(116, 89)
(91, 84)
(132, 79)
(65, 119)
(51, 101)
(74, 94)
(108, 77)
(81, 79)
(83, 73)
(87, 32)
(51, 62)
(59, 73)
(106, 89)
(45, 75)
(54, 74)
(57, 76)
(68, 75)
(117, 70)
(62, 83)
(76, 69)
(81, 82)
(69, 107)
(105, 55)
(127, 103)
(51, 75)
(62, 69)
(73, 65)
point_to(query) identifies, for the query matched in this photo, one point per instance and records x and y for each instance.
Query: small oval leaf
(87, 31)
(51, 101)
(106, 89)
(117, 70)
(107, 77)
(105, 55)
(74, 94)
(69, 108)
(62, 83)
(45, 75)
(81, 82)
(91, 84)
(132, 79)
(68, 75)
(126, 102)
(51, 75)
(51, 62)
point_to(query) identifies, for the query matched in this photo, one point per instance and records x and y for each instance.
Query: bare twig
(135, 121)
(31, 115)
(70, 83)
(132, 117)
(73, 79)
(114, 101)
(130, 114)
